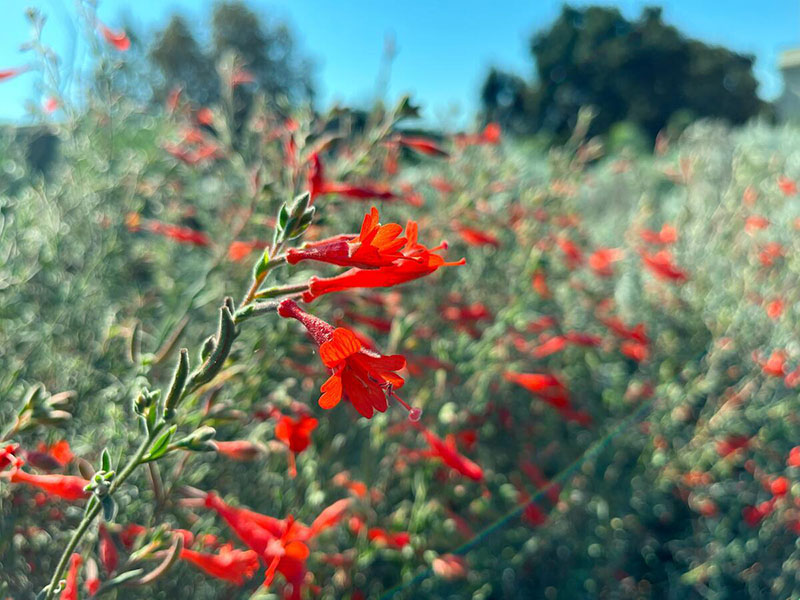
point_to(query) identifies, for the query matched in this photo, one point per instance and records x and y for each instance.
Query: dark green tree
(642, 72)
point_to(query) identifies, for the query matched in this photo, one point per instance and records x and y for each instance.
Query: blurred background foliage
(656, 493)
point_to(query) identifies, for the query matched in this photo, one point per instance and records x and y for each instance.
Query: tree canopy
(643, 72)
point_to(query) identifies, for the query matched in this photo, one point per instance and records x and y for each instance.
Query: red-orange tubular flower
(67, 487)
(118, 39)
(475, 237)
(70, 591)
(296, 434)
(362, 377)
(416, 261)
(421, 145)
(319, 186)
(394, 540)
(375, 246)
(229, 564)
(663, 267)
(241, 450)
(447, 451)
(12, 72)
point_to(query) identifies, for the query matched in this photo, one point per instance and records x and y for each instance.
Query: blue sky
(445, 47)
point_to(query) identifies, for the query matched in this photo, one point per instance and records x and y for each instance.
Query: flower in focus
(68, 487)
(416, 261)
(360, 376)
(376, 246)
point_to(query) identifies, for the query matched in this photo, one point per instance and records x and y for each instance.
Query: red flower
(547, 387)
(601, 260)
(182, 235)
(635, 350)
(296, 435)
(376, 246)
(583, 339)
(229, 564)
(552, 345)
(422, 145)
(775, 365)
(794, 457)
(539, 283)
(12, 72)
(241, 76)
(770, 253)
(239, 250)
(636, 333)
(67, 487)
(475, 237)
(731, 444)
(533, 515)
(118, 39)
(360, 376)
(774, 308)
(416, 261)
(667, 235)
(662, 266)
(755, 222)
(393, 540)
(450, 566)
(779, 486)
(241, 450)
(447, 451)
(50, 105)
(319, 186)
(108, 551)
(7, 455)
(129, 534)
(787, 186)
(572, 253)
(70, 591)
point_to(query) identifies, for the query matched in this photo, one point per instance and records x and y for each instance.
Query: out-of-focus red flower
(787, 186)
(108, 551)
(601, 260)
(417, 261)
(50, 104)
(182, 235)
(118, 39)
(533, 515)
(7, 455)
(204, 116)
(241, 450)
(572, 253)
(779, 486)
(755, 222)
(552, 345)
(636, 333)
(544, 385)
(774, 308)
(490, 135)
(67, 487)
(749, 196)
(239, 250)
(775, 365)
(393, 540)
(450, 566)
(91, 582)
(662, 266)
(731, 444)
(421, 145)
(174, 98)
(296, 434)
(475, 237)
(667, 235)
(539, 284)
(771, 252)
(319, 186)
(447, 451)
(376, 246)
(580, 338)
(753, 515)
(6, 74)
(794, 457)
(360, 376)
(358, 488)
(635, 350)
(70, 591)
(60, 451)
(241, 76)
(229, 564)
(129, 534)
(441, 185)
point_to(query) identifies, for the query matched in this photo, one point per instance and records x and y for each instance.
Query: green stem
(285, 290)
(93, 512)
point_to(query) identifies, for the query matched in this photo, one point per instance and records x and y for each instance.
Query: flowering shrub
(589, 391)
